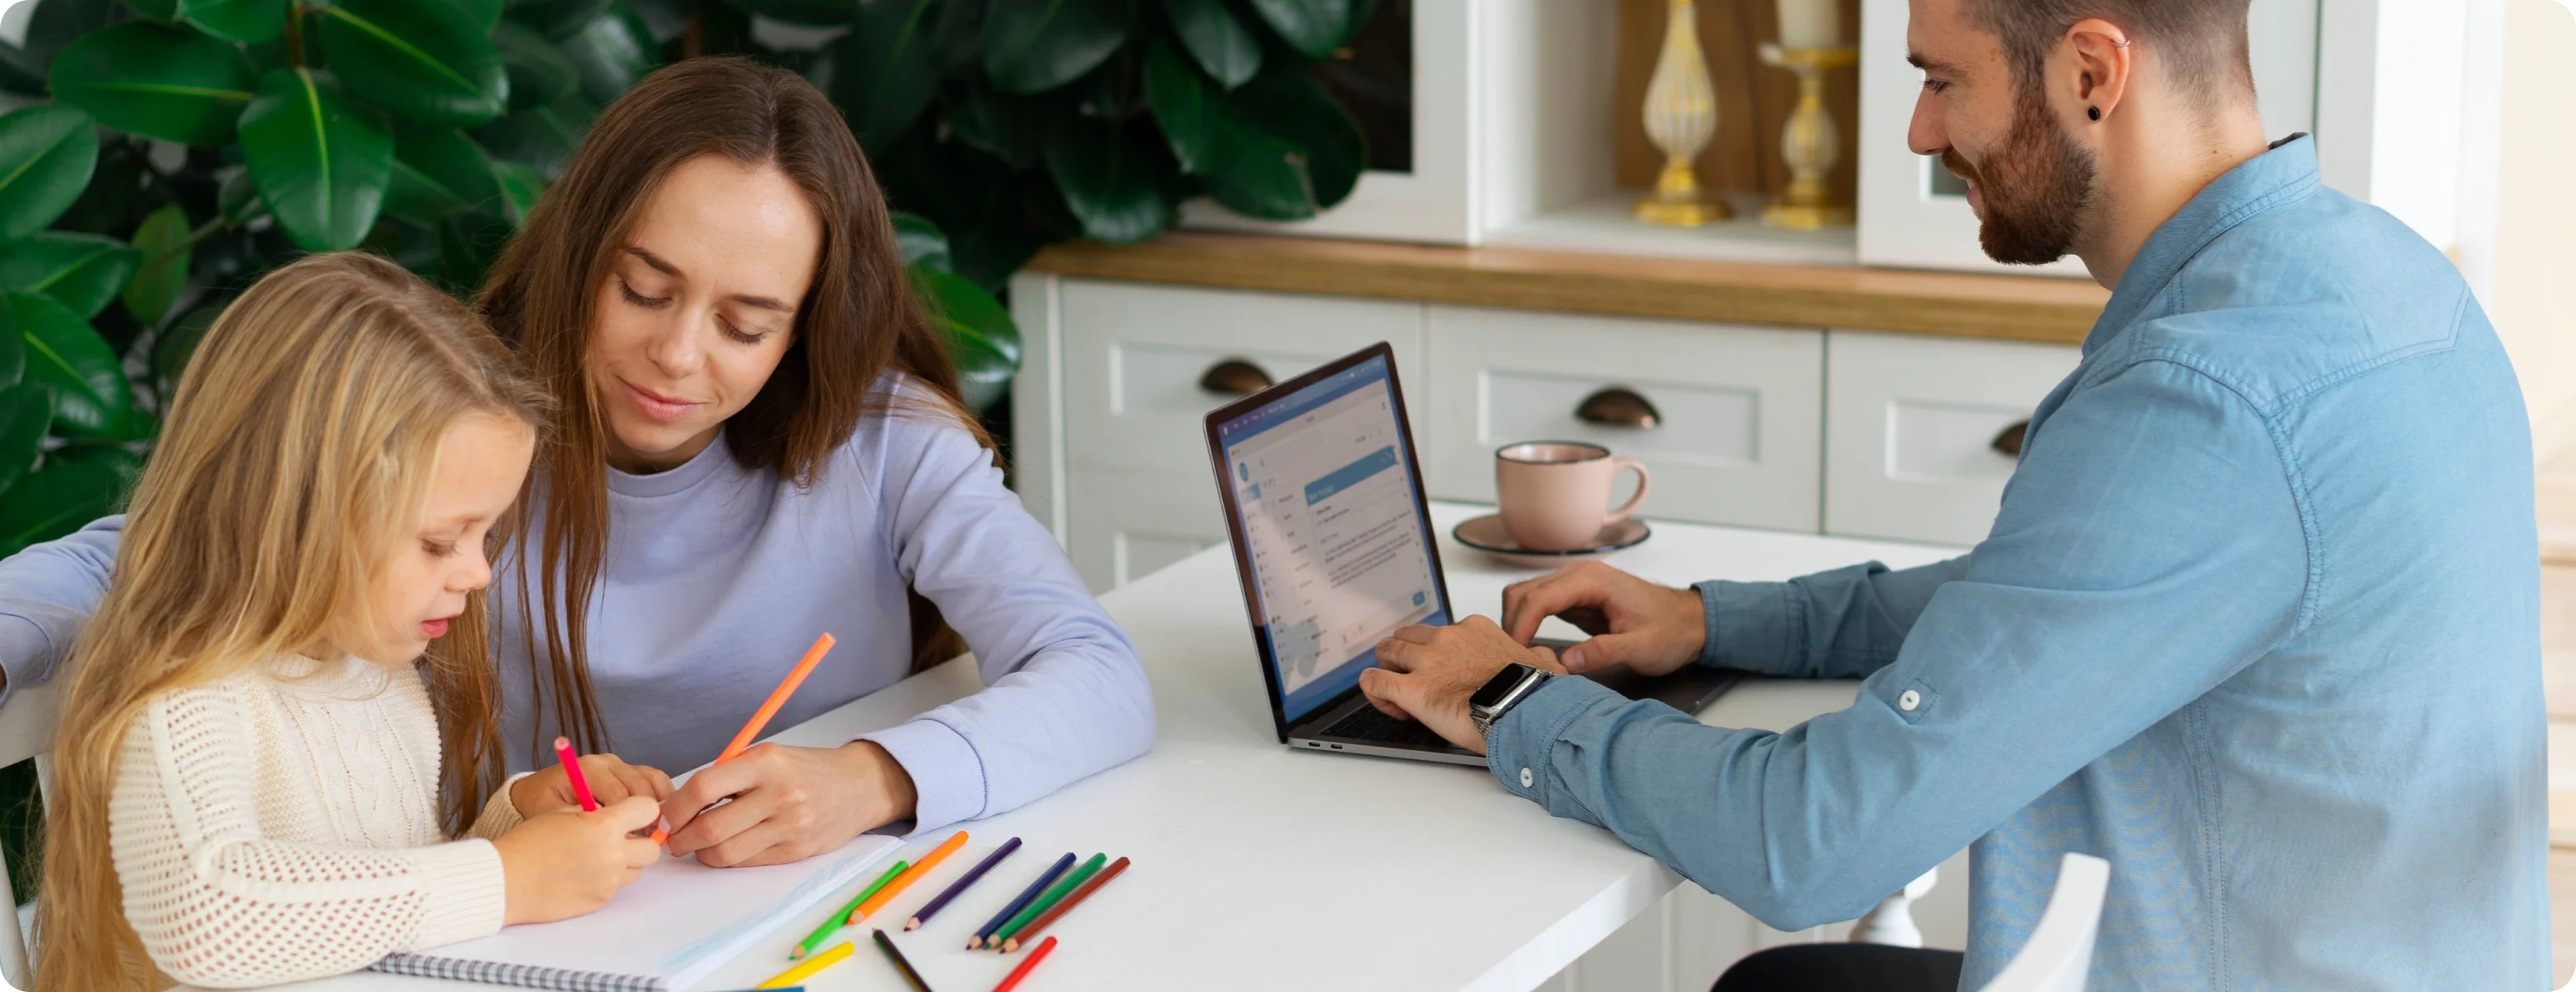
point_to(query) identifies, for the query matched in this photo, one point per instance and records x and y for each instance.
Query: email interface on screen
(1339, 553)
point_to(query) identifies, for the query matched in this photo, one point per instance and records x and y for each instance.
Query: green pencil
(833, 925)
(1068, 884)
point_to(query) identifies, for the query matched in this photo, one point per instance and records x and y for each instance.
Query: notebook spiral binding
(524, 976)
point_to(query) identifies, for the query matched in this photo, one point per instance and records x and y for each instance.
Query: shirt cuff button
(1908, 700)
(1527, 778)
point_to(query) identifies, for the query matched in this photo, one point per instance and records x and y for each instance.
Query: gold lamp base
(1809, 142)
(1806, 217)
(1677, 200)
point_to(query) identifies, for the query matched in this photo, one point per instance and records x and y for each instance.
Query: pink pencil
(572, 770)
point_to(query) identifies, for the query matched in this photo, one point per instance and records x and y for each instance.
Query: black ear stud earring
(2093, 112)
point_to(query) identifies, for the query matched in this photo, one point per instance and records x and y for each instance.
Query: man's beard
(2035, 189)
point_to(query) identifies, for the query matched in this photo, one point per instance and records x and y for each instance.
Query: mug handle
(1616, 464)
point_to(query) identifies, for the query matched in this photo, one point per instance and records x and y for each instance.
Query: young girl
(248, 781)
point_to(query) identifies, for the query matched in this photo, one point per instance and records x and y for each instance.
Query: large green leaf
(557, 18)
(1035, 45)
(611, 52)
(1011, 128)
(922, 243)
(247, 21)
(981, 338)
(1317, 28)
(163, 242)
(543, 137)
(430, 60)
(80, 271)
(46, 154)
(1273, 169)
(56, 23)
(885, 70)
(25, 413)
(237, 196)
(1121, 188)
(59, 498)
(320, 159)
(162, 82)
(171, 351)
(520, 187)
(1223, 46)
(540, 72)
(1293, 106)
(66, 356)
(164, 11)
(817, 13)
(438, 170)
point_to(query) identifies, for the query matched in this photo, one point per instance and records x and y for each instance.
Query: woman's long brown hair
(859, 322)
(299, 449)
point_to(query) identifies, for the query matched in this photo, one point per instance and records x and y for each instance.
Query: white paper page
(682, 919)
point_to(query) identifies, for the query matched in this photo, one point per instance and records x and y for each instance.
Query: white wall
(2534, 269)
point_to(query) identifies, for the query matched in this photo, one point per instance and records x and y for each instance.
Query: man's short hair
(2202, 40)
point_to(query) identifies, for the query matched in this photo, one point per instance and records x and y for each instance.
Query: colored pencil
(886, 944)
(1026, 966)
(572, 770)
(833, 924)
(1022, 900)
(905, 880)
(768, 708)
(972, 874)
(796, 975)
(1030, 932)
(1053, 895)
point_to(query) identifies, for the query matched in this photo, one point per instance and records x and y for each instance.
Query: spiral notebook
(665, 933)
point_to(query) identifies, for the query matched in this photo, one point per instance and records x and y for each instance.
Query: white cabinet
(1910, 447)
(1737, 430)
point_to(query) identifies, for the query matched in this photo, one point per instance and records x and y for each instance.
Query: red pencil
(572, 770)
(1030, 932)
(1026, 966)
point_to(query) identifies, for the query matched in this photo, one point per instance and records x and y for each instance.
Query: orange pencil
(910, 875)
(1030, 932)
(777, 698)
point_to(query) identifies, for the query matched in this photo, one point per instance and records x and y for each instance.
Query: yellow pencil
(910, 875)
(796, 975)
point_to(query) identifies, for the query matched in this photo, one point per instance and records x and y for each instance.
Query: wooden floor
(2558, 671)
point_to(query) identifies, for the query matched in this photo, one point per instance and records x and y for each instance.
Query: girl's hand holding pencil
(611, 782)
(564, 864)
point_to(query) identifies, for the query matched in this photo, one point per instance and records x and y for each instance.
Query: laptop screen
(1332, 528)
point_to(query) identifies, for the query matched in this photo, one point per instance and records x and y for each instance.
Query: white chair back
(26, 731)
(2060, 951)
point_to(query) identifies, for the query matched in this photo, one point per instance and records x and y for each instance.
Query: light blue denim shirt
(2257, 622)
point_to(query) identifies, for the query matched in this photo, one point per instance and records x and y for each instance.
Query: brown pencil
(1030, 932)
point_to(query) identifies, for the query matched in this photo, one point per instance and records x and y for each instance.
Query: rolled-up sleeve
(2151, 545)
(47, 592)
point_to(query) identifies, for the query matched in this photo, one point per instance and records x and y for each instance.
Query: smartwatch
(1504, 691)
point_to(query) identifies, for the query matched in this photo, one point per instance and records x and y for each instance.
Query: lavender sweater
(716, 579)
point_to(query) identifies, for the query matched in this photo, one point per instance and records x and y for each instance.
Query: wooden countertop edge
(1907, 302)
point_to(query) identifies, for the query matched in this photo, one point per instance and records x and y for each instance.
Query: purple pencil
(960, 885)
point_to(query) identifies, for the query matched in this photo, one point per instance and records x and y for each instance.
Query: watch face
(1500, 686)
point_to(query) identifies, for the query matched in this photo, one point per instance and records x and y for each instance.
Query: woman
(756, 441)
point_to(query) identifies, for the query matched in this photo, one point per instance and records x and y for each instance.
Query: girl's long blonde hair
(298, 451)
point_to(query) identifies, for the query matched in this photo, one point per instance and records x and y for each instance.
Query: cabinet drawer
(1134, 355)
(1738, 431)
(1123, 526)
(1909, 446)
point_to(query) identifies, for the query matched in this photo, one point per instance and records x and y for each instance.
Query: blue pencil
(960, 885)
(1022, 902)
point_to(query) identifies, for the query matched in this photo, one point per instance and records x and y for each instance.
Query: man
(2257, 621)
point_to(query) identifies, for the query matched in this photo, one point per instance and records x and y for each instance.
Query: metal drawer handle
(2009, 442)
(1618, 406)
(1235, 377)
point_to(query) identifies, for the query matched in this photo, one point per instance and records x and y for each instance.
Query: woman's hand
(611, 782)
(1651, 629)
(786, 803)
(569, 863)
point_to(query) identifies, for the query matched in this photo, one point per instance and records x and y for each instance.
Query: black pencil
(960, 885)
(886, 944)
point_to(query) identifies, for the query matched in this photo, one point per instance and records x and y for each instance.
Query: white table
(1260, 867)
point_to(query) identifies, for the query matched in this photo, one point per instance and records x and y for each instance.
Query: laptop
(1333, 540)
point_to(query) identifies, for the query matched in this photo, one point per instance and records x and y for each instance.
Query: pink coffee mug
(1554, 494)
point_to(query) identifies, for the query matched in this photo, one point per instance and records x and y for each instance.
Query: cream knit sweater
(280, 825)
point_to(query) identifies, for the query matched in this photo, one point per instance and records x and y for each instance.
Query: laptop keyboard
(1367, 724)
